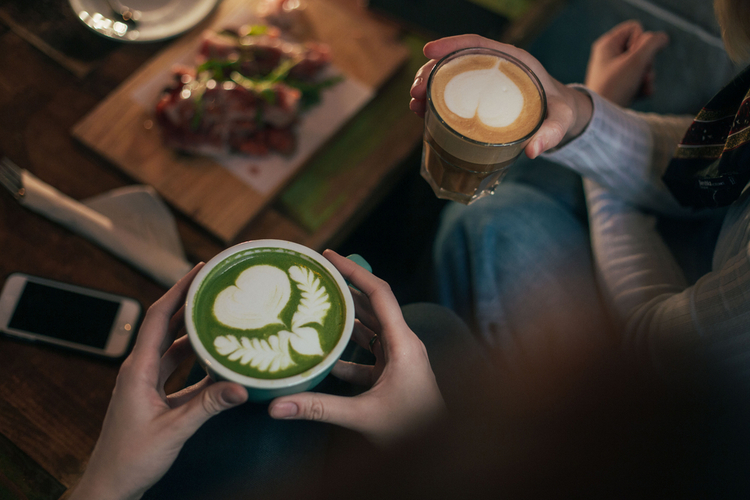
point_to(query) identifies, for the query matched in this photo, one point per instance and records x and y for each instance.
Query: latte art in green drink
(269, 313)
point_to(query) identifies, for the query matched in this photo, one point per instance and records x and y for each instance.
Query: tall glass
(458, 167)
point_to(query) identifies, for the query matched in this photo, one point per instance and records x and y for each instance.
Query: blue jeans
(517, 265)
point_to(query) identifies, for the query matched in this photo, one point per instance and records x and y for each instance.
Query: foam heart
(256, 299)
(485, 93)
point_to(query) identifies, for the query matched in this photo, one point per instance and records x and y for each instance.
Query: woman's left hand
(144, 428)
(621, 62)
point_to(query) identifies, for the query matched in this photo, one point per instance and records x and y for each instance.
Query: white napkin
(133, 223)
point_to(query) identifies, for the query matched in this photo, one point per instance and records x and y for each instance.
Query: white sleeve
(662, 315)
(628, 153)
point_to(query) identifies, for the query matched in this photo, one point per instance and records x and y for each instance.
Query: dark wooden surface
(52, 402)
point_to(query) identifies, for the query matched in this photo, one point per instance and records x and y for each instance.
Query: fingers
(351, 271)
(418, 89)
(361, 335)
(634, 33)
(647, 87)
(337, 410)
(354, 373)
(559, 120)
(384, 304)
(418, 107)
(181, 397)
(176, 323)
(629, 37)
(178, 352)
(155, 327)
(364, 311)
(206, 403)
(644, 49)
(619, 38)
(437, 49)
(444, 46)
(367, 339)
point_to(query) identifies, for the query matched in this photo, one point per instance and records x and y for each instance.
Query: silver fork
(10, 178)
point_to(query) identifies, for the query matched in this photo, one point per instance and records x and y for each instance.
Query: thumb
(552, 132)
(319, 407)
(209, 402)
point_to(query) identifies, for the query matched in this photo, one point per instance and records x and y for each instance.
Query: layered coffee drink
(483, 107)
(269, 313)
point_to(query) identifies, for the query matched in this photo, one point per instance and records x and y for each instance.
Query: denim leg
(517, 267)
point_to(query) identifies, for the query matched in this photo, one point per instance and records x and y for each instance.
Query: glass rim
(502, 55)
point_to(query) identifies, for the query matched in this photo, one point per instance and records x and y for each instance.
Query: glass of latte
(483, 106)
(271, 315)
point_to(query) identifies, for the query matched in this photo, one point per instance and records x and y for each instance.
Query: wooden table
(52, 403)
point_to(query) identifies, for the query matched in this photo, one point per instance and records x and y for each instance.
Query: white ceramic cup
(266, 389)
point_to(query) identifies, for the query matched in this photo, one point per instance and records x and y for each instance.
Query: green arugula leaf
(263, 87)
(281, 71)
(219, 69)
(311, 90)
(251, 30)
(256, 30)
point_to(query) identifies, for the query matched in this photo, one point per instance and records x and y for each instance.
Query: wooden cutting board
(122, 130)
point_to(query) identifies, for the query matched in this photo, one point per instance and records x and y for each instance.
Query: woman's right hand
(403, 395)
(568, 110)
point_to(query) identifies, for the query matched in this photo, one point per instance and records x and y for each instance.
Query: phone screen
(64, 315)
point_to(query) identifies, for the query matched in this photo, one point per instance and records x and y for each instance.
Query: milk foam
(487, 94)
(256, 300)
(484, 98)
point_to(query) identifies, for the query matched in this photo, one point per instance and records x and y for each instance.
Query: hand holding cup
(568, 111)
(144, 428)
(403, 394)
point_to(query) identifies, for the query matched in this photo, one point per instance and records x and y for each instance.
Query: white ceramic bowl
(266, 389)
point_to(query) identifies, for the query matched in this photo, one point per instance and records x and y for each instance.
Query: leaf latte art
(260, 290)
(270, 315)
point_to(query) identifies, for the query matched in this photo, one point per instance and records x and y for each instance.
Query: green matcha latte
(268, 313)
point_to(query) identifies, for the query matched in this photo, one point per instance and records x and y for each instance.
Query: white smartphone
(75, 317)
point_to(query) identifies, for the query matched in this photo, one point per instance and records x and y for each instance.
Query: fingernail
(536, 147)
(233, 397)
(284, 410)
(417, 82)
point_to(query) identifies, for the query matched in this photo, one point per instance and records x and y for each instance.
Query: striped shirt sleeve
(627, 152)
(622, 156)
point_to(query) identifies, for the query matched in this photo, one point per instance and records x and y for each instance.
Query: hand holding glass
(483, 107)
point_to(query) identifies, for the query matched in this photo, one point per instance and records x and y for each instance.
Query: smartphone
(70, 316)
